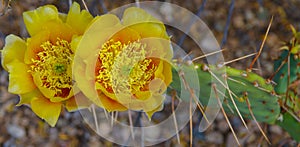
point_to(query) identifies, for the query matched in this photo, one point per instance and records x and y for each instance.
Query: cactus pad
(281, 77)
(291, 125)
(287, 77)
(243, 85)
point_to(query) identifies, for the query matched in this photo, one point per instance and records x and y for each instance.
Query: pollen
(52, 65)
(125, 68)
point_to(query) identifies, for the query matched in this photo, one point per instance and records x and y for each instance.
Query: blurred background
(238, 25)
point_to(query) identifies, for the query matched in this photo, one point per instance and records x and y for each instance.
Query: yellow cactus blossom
(40, 67)
(125, 64)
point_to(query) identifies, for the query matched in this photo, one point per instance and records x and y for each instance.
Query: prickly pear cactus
(291, 125)
(258, 91)
(282, 76)
(287, 79)
(242, 85)
(287, 66)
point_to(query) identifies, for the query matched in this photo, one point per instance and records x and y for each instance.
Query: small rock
(253, 126)
(2, 139)
(25, 121)
(243, 132)
(16, 131)
(220, 117)
(9, 143)
(215, 137)
(236, 122)
(53, 135)
(223, 126)
(276, 130)
(249, 14)
(94, 142)
(230, 141)
(238, 21)
(252, 138)
(251, 145)
(71, 131)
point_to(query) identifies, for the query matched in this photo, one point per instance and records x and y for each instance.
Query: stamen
(52, 64)
(125, 67)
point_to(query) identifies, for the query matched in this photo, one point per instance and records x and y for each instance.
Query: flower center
(52, 65)
(125, 67)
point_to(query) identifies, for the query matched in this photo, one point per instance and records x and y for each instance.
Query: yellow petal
(142, 22)
(66, 94)
(59, 30)
(14, 49)
(20, 81)
(34, 46)
(27, 97)
(78, 20)
(97, 34)
(125, 35)
(48, 93)
(63, 17)
(109, 104)
(36, 19)
(167, 73)
(158, 48)
(159, 71)
(150, 30)
(143, 95)
(79, 101)
(157, 86)
(74, 44)
(100, 87)
(135, 15)
(147, 105)
(150, 113)
(153, 103)
(52, 31)
(104, 21)
(87, 86)
(46, 110)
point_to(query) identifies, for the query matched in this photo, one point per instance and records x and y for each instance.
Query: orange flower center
(52, 66)
(124, 68)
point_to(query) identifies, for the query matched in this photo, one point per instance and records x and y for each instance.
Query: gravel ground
(20, 127)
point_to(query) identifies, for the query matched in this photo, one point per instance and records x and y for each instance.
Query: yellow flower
(126, 61)
(40, 68)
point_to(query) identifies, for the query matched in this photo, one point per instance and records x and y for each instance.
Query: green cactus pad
(281, 77)
(291, 125)
(260, 94)
(288, 88)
